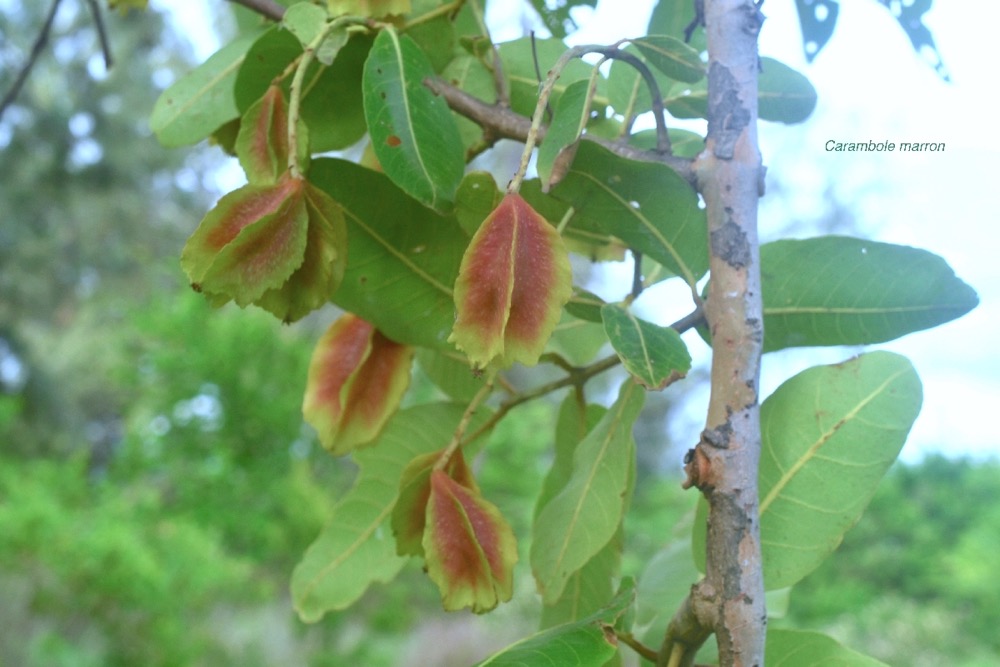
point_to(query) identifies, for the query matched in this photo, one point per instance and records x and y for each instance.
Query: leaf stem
(456, 438)
(629, 640)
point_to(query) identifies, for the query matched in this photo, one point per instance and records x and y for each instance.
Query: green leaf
(477, 197)
(357, 548)
(684, 143)
(589, 642)
(828, 436)
(664, 584)
(797, 648)
(305, 21)
(585, 305)
(627, 89)
(586, 513)
(784, 95)
(413, 132)
(339, 84)
(402, 260)
(202, 101)
(645, 204)
(656, 356)
(672, 18)
(836, 290)
(450, 372)
(571, 116)
(672, 57)
(467, 72)
(557, 16)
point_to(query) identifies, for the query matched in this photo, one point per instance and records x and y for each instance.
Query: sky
(871, 85)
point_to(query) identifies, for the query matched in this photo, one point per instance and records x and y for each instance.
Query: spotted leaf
(357, 377)
(512, 284)
(470, 549)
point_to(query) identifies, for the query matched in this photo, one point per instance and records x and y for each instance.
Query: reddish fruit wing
(265, 253)
(513, 282)
(409, 514)
(374, 392)
(262, 142)
(222, 224)
(543, 283)
(338, 354)
(484, 286)
(469, 548)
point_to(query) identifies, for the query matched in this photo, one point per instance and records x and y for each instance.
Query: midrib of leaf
(613, 427)
(813, 450)
(854, 310)
(429, 279)
(637, 214)
(409, 120)
(645, 350)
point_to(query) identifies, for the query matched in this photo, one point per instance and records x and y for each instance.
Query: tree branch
(724, 465)
(29, 64)
(269, 9)
(506, 124)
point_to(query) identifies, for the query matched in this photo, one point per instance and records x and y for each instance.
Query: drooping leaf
(589, 642)
(654, 355)
(357, 378)
(827, 436)
(202, 101)
(836, 290)
(262, 141)
(784, 95)
(584, 515)
(811, 649)
(672, 56)
(557, 151)
(357, 549)
(645, 204)
(403, 257)
(469, 548)
(251, 242)
(413, 131)
(514, 280)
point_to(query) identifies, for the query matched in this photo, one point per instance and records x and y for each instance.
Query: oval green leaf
(645, 204)
(402, 258)
(413, 132)
(202, 101)
(568, 122)
(836, 290)
(654, 355)
(583, 517)
(828, 435)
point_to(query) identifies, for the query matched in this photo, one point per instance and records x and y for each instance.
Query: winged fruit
(514, 280)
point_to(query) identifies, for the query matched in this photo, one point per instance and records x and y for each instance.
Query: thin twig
(36, 51)
(456, 438)
(102, 33)
(267, 8)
